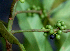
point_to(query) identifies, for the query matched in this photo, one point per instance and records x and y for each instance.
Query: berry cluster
(60, 25)
(33, 8)
(44, 13)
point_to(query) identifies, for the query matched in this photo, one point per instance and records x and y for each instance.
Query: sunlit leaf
(66, 44)
(47, 4)
(35, 41)
(57, 3)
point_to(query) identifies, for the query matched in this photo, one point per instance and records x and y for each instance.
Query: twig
(37, 30)
(31, 11)
(10, 22)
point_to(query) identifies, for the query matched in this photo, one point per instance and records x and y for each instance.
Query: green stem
(37, 30)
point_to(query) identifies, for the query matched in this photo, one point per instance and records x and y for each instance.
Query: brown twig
(37, 30)
(31, 11)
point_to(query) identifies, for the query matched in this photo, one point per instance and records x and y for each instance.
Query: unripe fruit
(61, 27)
(45, 34)
(65, 26)
(51, 31)
(22, 1)
(57, 36)
(49, 27)
(38, 8)
(43, 28)
(62, 23)
(59, 32)
(58, 21)
(52, 36)
(42, 16)
(58, 24)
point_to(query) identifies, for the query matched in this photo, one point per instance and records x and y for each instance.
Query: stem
(37, 30)
(31, 11)
(10, 23)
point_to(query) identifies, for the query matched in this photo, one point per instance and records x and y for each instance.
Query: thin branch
(31, 11)
(37, 30)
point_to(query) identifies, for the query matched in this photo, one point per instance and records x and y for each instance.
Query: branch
(31, 11)
(37, 30)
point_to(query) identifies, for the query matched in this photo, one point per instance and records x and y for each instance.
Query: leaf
(8, 36)
(57, 3)
(33, 2)
(47, 4)
(35, 41)
(61, 13)
(3, 44)
(66, 44)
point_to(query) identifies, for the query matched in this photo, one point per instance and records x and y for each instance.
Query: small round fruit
(58, 24)
(43, 28)
(59, 32)
(58, 21)
(28, 9)
(57, 36)
(49, 27)
(38, 8)
(22, 1)
(52, 36)
(44, 11)
(45, 34)
(65, 26)
(61, 27)
(62, 23)
(51, 31)
(42, 16)
(33, 6)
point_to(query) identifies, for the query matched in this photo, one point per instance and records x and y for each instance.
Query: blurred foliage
(56, 10)
(36, 40)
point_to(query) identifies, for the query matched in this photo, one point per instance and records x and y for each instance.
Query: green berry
(28, 9)
(38, 8)
(45, 14)
(57, 36)
(45, 34)
(22, 1)
(51, 31)
(29, 14)
(42, 16)
(58, 21)
(62, 23)
(58, 24)
(34, 7)
(61, 27)
(44, 11)
(65, 26)
(43, 28)
(49, 27)
(59, 32)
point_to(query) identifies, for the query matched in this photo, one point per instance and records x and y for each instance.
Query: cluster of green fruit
(44, 13)
(60, 25)
(33, 8)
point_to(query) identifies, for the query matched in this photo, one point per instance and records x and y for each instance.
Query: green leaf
(33, 2)
(57, 3)
(66, 44)
(47, 4)
(3, 44)
(61, 13)
(35, 41)
(8, 36)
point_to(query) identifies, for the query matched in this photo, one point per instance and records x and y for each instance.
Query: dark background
(4, 15)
